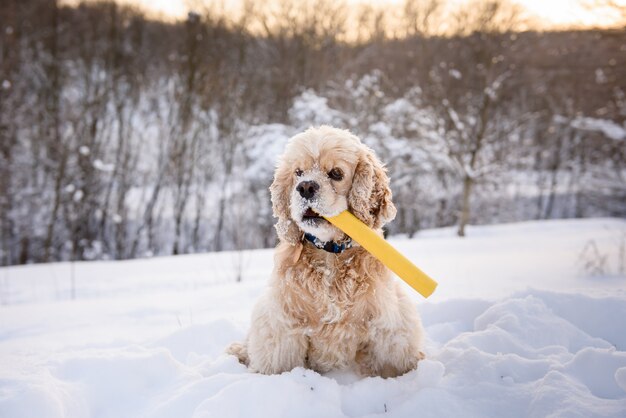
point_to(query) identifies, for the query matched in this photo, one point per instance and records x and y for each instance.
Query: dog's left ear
(370, 196)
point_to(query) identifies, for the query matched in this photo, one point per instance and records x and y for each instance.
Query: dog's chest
(326, 290)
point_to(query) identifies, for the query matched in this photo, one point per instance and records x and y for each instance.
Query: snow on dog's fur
(322, 310)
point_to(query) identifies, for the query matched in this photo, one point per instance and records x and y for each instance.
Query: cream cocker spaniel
(330, 305)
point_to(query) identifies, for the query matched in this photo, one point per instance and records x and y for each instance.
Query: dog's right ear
(286, 228)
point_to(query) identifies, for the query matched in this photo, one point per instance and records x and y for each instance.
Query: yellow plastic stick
(383, 251)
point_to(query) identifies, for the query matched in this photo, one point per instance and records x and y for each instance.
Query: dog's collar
(330, 246)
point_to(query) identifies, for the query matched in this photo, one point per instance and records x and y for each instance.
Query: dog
(330, 304)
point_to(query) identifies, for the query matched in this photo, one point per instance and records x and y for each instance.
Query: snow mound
(530, 337)
(514, 357)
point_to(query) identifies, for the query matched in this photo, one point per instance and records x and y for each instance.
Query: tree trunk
(200, 198)
(177, 235)
(55, 139)
(465, 205)
(468, 181)
(220, 225)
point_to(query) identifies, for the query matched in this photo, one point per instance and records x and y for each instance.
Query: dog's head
(322, 172)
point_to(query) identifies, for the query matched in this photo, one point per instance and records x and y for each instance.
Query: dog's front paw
(240, 351)
(369, 365)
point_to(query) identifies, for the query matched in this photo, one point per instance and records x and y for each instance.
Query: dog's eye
(335, 174)
(299, 172)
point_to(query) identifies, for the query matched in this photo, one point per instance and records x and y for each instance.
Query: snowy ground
(529, 320)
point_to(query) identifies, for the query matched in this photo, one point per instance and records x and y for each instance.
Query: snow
(517, 327)
(601, 77)
(99, 165)
(455, 73)
(309, 109)
(609, 128)
(78, 195)
(266, 143)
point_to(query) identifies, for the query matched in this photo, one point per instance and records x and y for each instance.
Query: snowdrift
(519, 327)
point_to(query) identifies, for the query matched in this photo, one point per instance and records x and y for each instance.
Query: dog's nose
(307, 189)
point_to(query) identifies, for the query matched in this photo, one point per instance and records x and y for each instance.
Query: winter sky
(548, 14)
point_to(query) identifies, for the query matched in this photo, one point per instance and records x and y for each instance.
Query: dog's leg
(376, 359)
(394, 342)
(333, 351)
(240, 351)
(274, 345)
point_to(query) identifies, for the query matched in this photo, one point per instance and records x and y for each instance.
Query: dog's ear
(280, 189)
(370, 196)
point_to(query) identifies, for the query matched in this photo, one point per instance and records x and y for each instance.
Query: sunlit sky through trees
(541, 14)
